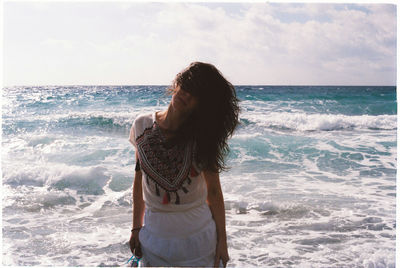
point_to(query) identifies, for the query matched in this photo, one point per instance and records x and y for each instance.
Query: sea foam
(321, 122)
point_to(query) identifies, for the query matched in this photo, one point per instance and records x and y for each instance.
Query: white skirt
(185, 238)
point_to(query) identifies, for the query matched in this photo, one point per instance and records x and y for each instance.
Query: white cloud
(148, 43)
(59, 43)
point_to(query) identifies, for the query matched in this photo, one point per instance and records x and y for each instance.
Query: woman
(178, 206)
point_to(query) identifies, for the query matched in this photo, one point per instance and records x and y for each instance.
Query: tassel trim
(166, 198)
(193, 172)
(157, 190)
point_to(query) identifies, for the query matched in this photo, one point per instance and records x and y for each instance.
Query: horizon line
(167, 85)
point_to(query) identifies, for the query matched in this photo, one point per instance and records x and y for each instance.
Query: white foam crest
(245, 136)
(120, 118)
(309, 122)
(61, 176)
(41, 139)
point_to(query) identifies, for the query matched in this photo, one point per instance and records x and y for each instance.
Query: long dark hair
(214, 119)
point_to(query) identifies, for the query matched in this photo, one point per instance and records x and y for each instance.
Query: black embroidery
(168, 166)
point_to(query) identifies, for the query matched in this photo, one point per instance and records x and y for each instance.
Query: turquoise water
(311, 183)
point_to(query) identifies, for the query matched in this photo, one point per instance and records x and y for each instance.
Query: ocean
(312, 178)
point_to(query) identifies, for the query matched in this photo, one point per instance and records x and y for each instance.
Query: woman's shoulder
(143, 118)
(141, 122)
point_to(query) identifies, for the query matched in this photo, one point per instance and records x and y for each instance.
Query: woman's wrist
(221, 238)
(136, 229)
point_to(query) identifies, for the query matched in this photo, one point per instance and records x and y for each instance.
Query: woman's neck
(170, 120)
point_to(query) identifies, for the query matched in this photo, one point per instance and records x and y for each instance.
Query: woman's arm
(137, 195)
(138, 212)
(215, 201)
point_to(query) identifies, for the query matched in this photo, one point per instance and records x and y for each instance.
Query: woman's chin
(178, 106)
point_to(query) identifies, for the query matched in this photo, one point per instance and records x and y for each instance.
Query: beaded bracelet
(137, 228)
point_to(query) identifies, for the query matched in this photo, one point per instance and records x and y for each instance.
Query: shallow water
(311, 184)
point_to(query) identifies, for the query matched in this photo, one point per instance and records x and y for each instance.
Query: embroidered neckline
(168, 167)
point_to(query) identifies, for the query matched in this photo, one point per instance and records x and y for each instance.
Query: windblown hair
(214, 119)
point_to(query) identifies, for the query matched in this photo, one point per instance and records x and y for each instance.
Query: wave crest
(322, 122)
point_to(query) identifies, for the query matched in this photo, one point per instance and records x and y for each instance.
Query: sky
(148, 43)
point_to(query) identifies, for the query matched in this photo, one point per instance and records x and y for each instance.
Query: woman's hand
(221, 253)
(134, 244)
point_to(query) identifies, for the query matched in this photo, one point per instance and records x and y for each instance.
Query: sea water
(311, 180)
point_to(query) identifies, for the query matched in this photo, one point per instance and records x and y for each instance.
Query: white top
(192, 193)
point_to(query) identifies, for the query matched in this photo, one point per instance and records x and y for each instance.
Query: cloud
(60, 43)
(251, 43)
(351, 40)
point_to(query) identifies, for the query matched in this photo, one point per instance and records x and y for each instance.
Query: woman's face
(183, 101)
